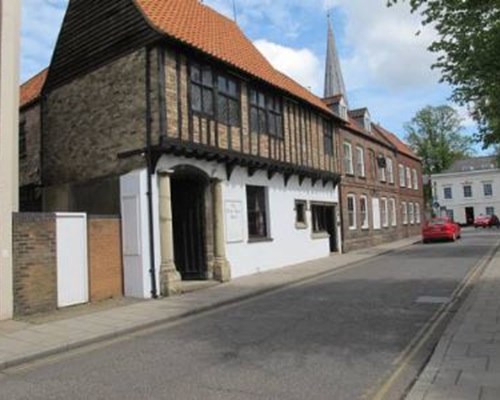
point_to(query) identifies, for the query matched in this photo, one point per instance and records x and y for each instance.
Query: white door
(376, 213)
(135, 234)
(72, 259)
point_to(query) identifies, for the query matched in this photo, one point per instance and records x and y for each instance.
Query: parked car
(494, 221)
(442, 228)
(482, 221)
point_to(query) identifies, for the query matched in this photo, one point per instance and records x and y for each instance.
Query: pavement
(22, 342)
(466, 362)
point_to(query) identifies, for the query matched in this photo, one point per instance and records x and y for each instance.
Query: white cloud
(386, 50)
(41, 21)
(300, 64)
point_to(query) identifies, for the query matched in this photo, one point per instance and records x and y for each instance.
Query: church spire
(334, 81)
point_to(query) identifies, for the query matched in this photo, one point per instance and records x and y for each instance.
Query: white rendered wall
(10, 15)
(478, 200)
(289, 245)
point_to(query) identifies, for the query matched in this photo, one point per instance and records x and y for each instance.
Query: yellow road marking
(424, 334)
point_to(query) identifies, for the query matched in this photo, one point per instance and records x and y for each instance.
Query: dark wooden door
(469, 215)
(188, 213)
(331, 227)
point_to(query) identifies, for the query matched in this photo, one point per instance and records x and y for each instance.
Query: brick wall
(372, 187)
(35, 263)
(93, 119)
(105, 259)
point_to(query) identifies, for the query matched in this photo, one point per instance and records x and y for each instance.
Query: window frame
(352, 226)
(490, 208)
(318, 219)
(229, 98)
(471, 191)
(418, 216)
(445, 188)
(360, 161)
(270, 112)
(328, 142)
(265, 218)
(411, 213)
(390, 170)
(490, 194)
(300, 224)
(415, 179)
(402, 176)
(364, 217)
(382, 173)
(384, 212)
(203, 86)
(408, 178)
(350, 170)
(394, 219)
(404, 212)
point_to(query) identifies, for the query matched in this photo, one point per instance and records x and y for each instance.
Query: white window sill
(320, 235)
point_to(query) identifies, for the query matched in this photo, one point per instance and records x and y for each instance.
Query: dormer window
(339, 106)
(367, 123)
(362, 118)
(342, 109)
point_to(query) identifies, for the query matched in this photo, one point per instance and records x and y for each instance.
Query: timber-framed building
(164, 112)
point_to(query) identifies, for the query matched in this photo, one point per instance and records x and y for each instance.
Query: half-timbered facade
(163, 111)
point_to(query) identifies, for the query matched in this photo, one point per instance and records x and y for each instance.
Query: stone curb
(59, 349)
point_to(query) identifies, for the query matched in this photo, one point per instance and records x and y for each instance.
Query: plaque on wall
(234, 221)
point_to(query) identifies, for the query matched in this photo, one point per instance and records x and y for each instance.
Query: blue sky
(385, 64)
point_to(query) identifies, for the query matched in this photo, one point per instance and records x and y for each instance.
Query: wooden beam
(230, 169)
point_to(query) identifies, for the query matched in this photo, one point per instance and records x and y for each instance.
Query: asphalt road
(334, 338)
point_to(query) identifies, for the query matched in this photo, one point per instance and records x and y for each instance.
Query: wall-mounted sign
(234, 221)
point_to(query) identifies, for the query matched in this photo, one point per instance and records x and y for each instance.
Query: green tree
(468, 49)
(436, 135)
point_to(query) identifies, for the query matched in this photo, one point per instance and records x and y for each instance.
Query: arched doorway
(190, 196)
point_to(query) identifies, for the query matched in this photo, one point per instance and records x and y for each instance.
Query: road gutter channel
(193, 312)
(437, 323)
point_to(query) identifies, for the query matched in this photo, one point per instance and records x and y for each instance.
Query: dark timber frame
(232, 159)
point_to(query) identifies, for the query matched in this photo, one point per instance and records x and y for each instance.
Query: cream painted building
(468, 189)
(9, 106)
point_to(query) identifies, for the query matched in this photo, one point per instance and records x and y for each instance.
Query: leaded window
(320, 217)
(257, 212)
(202, 89)
(265, 114)
(328, 138)
(228, 101)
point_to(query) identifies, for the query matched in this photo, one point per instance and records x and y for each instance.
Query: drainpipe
(149, 161)
(341, 214)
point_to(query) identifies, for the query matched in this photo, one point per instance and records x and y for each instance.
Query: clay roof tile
(31, 90)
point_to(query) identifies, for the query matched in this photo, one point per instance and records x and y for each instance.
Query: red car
(441, 228)
(482, 221)
(486, 221)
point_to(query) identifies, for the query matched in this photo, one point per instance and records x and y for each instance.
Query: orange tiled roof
(203, 28)
(401, 146)
(32, 89)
